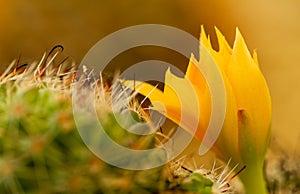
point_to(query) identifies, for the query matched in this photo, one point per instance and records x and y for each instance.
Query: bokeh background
(271, 26)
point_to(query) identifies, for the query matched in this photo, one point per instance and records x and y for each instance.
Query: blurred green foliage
(42, 152)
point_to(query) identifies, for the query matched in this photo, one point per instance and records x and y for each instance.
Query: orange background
(270, 26)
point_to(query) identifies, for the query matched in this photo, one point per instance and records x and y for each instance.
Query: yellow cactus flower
(253, 107)
(246, 129)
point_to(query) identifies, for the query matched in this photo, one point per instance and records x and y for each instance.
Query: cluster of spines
(49, 75)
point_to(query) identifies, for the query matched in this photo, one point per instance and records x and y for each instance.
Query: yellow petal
(204, 40)
(223, 56)
(145, 89)
(227, 142)
(194, 75)
(252, 95)
(178, 101)
(223, 44)
(161, 101)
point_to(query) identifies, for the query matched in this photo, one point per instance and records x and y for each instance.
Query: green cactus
(41, 150)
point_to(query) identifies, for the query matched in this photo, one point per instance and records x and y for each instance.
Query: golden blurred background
(271, 26)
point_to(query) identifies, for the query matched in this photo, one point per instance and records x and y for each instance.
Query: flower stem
(253, 179)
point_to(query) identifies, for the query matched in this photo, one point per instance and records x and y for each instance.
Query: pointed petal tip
(255, 57)
(202, 34)
(204, 39)
(237, 31)
(218, 32)
(202, 30)
(223, 44)
(239, 39)
(239, 46)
